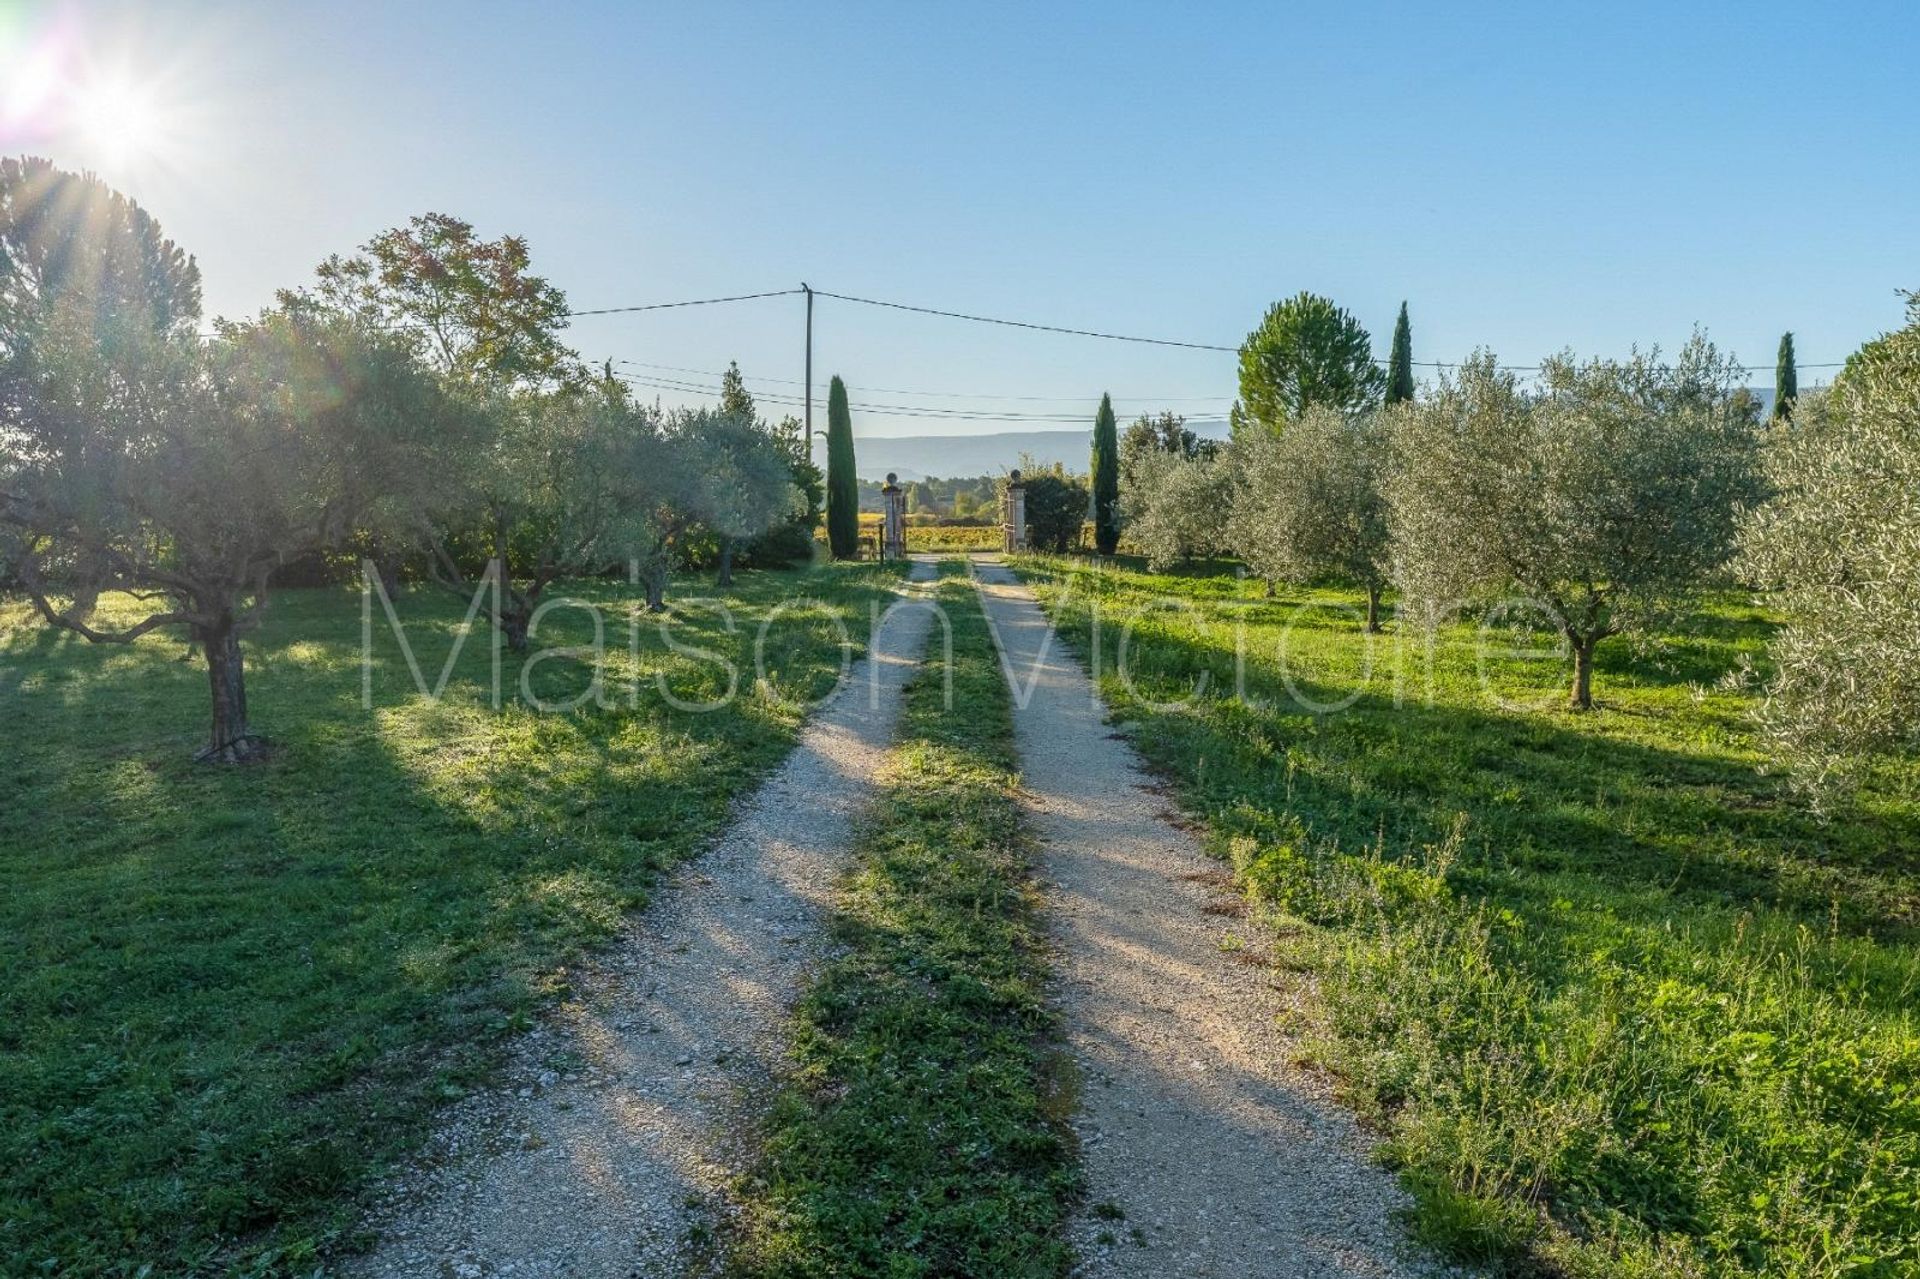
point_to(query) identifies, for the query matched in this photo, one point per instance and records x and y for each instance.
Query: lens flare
(117, 118)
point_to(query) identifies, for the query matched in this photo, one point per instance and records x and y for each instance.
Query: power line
(669, 306)
(1025, 324)
(949, 395)
(679, 386)
(1195, 346)
(1031, 325)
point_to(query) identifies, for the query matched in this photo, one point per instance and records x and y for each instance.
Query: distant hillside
(915, 457)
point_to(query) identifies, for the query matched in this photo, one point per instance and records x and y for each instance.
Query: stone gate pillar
(893, 536)
(1013, 515)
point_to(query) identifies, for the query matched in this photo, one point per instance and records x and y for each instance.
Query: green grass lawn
(1618, 1003)
(923, 1132)
(227, 996)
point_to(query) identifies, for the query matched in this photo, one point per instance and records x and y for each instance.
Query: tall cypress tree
(1786, 380)
(1400, 363)
(843, 486)
(1106, 478)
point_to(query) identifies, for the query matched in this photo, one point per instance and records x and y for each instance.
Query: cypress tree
(1106, 478)
(843, 486)
(1400, 363)
(1786, 380)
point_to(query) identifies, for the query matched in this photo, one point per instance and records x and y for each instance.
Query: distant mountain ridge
(917, 457)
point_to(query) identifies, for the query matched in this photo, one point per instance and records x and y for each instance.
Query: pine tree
(1400, 363)
(1106, 479)
(734, 397)
(1786, 380)
(843, 486)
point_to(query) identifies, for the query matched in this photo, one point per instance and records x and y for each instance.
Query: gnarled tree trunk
(1373, 610)
(233, 740)
(726, 561)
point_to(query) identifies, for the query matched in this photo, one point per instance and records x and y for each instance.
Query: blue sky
(1529, 179)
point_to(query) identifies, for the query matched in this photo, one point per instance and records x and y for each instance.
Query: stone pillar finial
(893, 539)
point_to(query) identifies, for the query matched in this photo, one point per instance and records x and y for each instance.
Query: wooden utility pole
(806, 289)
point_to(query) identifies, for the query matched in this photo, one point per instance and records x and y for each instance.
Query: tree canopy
(1308, 502)
(843, 482)
(1604, 499)
(1105, 473)
(1836, 543)
(473, 307)
(1306, 352)
(1400, 361)
(1176, 509)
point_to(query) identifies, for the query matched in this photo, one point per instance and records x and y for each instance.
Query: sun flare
(117, 118)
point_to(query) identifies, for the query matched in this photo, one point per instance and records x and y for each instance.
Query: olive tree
(1605, 496)
(567, 483)
(744, 481)
(184, 475)
(73, 246)
(1308, 502)
(1839, 544)
(1175, 510)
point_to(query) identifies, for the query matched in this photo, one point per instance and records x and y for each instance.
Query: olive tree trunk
(233, 740)
(1581, 698)
(726, 561)
(1373, 610)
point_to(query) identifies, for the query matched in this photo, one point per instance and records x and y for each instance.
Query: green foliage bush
(1056, 512)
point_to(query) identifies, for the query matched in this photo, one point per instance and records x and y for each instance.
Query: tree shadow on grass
(227, 995)
(1547, 791)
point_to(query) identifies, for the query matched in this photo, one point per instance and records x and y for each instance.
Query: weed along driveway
(607, 1150)
(1206, 1152)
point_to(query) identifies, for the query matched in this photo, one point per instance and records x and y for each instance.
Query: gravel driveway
(1207, 1151)
(604, 1153)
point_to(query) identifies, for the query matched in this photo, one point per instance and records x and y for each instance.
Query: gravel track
(606, 1151)
(1224, 1157)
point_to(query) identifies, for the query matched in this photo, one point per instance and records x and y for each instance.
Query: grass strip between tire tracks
(922, 1131)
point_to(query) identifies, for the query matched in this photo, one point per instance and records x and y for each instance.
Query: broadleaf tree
(473, 307)
(187, 474)
(1837, 544)
(743, 481)
(1166, 432)
(71, 244)
(1604, 499)
(1308, 502)
(1176, 509)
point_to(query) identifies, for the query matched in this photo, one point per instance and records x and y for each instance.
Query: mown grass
(1619, 1004)
(227, 996)
(922, 1132)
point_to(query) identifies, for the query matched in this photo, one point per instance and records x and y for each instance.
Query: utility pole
(807, 289)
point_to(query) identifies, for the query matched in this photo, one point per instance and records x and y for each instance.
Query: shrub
(1056, 511)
